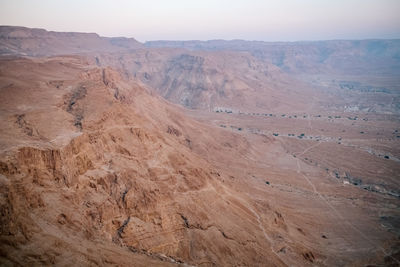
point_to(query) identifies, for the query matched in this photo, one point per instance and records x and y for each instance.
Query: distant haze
(279, 20)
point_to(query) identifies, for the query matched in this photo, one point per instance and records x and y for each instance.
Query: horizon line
(206, 40)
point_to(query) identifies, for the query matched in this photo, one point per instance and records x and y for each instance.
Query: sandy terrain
(100, 165)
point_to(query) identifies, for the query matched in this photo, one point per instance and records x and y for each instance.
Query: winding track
(299, 170)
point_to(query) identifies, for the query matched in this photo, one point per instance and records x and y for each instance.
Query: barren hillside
(117, 154)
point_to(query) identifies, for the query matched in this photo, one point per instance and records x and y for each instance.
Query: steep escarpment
(131, 181)
(212, 80)
(335, 56)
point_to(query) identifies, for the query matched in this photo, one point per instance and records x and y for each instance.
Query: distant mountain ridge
(341, 56)
(39, 42)
(251, 76)
(194, 79)
(355, 57)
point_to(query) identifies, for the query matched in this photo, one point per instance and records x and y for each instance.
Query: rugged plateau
(118, 153)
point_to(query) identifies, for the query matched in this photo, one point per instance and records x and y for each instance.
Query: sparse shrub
(275, 134)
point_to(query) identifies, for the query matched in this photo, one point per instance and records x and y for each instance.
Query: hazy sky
(269, 20)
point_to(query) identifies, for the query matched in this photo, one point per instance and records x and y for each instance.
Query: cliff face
(211, 80)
